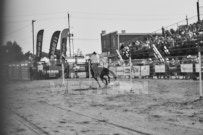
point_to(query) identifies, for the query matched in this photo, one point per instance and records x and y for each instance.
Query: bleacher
(180, 42)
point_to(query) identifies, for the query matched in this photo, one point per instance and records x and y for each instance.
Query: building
(113, 40)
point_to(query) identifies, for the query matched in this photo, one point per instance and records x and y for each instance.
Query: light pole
(33, 37)
(198, 14)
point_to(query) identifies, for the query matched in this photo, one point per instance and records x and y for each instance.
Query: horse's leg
(109, 79)
(115, 77)
(106, 81)
(98, 82)
(106, 84)
(103, 78)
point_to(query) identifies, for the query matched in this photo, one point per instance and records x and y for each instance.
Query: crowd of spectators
(168, 39)
(176, 61)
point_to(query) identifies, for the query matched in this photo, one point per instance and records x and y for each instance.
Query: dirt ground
(144, 106)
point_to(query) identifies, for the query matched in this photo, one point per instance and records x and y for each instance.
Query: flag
(53, 44)
(63, 44)
(39, 44)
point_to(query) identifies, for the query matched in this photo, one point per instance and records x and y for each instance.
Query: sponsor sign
(120, 70)
(197, 68)
(127, 70)
(52, 73)
(144, 70)
(186, 68)
(136, 70)
(160, 69)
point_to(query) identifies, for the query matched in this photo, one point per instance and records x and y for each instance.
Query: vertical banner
(63, 43)
(145, 70)
(39, 44)
(53, 44)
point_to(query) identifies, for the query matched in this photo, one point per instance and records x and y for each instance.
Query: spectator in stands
(196, 60)
(172, 62)
(150, 61)
(169, 38)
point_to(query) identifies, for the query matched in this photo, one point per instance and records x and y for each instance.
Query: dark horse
(102, 73)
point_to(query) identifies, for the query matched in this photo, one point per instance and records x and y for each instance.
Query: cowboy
(95, 60)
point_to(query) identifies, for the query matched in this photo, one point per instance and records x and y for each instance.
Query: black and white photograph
(101, 67)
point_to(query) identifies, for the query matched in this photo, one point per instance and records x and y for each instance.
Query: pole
(130, 72)
(118, 41)
(200, 72)
(186, 20)
(69, 35)
(198, 15)
(33, 51)
(73, 47)
(89, 73)
(62, 68)
(62, 65)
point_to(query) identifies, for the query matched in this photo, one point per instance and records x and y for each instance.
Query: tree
(27, 55)
(12, 52)
(44, 54)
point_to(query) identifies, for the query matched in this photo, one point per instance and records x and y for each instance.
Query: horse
(102, 71)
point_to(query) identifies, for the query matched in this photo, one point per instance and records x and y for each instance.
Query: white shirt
(95, 58)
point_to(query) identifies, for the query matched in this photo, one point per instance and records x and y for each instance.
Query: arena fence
(184, 71)
(20, 71)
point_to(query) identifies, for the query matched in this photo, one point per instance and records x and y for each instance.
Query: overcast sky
(89, 17)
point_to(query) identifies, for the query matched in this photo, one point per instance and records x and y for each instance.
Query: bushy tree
(44, 54)
(11, 52)
(27, 55)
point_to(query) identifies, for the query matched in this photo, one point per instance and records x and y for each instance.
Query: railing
(181, 71)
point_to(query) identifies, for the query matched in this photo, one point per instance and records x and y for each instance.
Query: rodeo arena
(139, 84)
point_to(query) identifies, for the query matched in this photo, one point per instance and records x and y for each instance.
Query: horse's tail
(111, 72)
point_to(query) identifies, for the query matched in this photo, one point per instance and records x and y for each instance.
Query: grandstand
(171, 43)
(178, 43)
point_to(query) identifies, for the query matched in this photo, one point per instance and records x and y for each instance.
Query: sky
(89, 17)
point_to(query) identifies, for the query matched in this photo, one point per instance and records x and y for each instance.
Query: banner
(145, 70)
(197, 68)
(188, 68)
(53, 44)
(63, 44)
(39, 44)
(127, 70)
(160, 69)
(136, 70)
(119, 70)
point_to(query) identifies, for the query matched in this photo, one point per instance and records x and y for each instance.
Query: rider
(94, 59)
